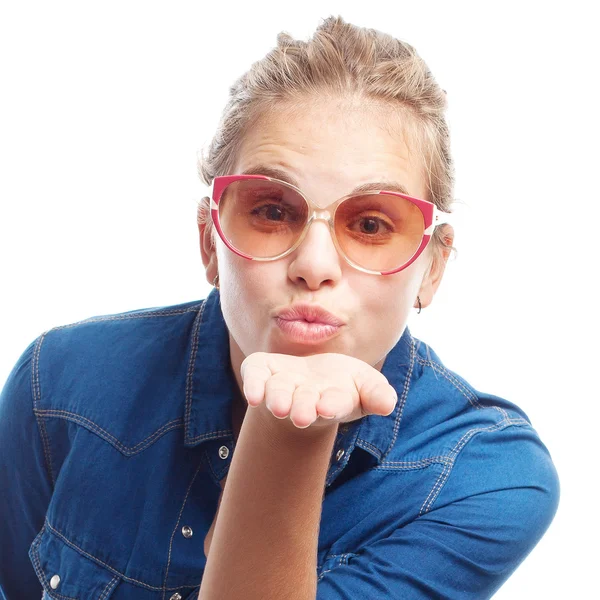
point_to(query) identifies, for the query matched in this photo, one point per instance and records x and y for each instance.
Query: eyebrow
(275, 173)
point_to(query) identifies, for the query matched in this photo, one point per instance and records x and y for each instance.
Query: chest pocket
(66, 574)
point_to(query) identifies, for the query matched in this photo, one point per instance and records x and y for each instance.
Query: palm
(317, 390)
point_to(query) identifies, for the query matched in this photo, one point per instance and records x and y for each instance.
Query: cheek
(419, 270)
(383, 306)
(396, 298)
(246, 281)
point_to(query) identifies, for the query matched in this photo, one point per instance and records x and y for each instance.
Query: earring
(419, 301)
(216, 281)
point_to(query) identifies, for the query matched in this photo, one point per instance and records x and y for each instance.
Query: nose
(316, 260)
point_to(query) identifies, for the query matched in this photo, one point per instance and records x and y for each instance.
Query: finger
(304, 411)
(335, 403)
(378, 397)
(255, 373)
(279, 390)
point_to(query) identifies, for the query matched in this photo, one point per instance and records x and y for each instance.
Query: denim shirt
(116, 431)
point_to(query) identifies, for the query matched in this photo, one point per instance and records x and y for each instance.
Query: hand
(317, 390)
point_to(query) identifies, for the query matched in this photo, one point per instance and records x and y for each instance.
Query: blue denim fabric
(115, 433)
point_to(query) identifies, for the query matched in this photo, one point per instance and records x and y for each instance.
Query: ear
(207, 248)
(433, 276)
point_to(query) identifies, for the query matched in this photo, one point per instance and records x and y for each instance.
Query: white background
(105, 105)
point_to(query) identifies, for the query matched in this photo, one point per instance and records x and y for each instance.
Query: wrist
(284, 431)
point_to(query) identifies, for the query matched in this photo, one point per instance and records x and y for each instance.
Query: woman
(286, 437)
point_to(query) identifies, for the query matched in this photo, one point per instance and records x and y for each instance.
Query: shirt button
(223, 452)
(339, 454)
(54, 582)
(176, 596)
(187, 531)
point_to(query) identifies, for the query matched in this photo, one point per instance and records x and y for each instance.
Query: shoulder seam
(125, 316)
(36, 397)
(453, 454)
(461, 387)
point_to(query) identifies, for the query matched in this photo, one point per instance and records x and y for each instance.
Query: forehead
(331, 146)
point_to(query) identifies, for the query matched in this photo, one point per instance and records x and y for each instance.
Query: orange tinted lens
(262, 218)
(379, 232)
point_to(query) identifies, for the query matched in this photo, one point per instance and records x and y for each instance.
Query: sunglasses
(379, 232)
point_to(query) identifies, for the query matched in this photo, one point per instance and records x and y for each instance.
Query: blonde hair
(341, 59)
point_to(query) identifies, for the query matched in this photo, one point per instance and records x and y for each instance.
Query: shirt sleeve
(25, 487)
(492, 509)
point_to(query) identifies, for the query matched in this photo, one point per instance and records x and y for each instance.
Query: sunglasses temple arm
(440, 218)
(211, 195)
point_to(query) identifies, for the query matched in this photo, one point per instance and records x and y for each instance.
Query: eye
(373, 225)
(276, 213)
(272, 212)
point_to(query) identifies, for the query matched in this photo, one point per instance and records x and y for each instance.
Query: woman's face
(328, 148)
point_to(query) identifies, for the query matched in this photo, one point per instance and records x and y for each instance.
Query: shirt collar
(211, 386)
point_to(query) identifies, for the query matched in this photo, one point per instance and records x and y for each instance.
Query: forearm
(265, 540)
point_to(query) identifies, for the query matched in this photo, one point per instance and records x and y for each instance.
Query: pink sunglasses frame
(432, 217)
